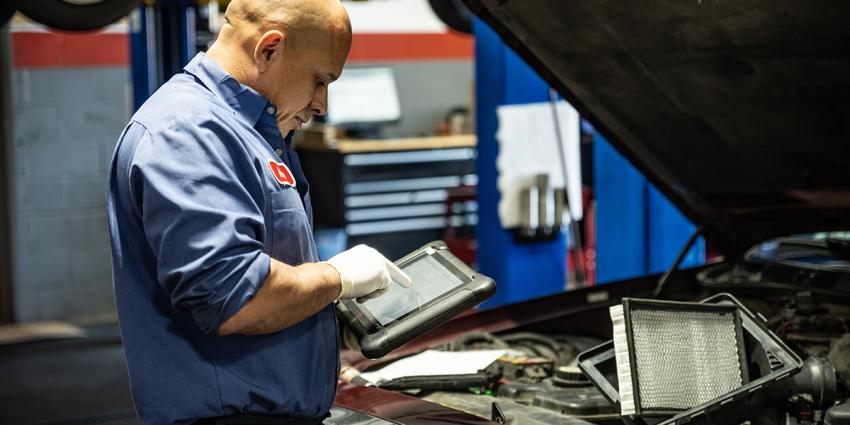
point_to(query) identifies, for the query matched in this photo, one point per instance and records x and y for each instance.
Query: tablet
(443, 287)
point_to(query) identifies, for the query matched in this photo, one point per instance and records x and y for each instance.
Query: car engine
(799, 288)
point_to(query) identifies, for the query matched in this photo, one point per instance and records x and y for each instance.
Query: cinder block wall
(67, 112)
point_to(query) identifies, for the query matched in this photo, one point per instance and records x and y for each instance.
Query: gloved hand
(365, 273)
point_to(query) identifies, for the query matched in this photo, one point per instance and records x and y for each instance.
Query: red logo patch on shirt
(281, 173)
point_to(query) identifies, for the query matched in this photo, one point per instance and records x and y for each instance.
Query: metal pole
(578, 248)
(6, 305)
(668, 275)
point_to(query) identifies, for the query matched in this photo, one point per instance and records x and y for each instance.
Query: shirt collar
(247, 102)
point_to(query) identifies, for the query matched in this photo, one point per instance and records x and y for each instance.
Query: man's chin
(286, 127)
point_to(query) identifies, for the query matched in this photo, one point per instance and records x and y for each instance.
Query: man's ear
(268, 48)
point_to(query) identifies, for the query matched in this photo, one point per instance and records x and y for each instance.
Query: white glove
(365, 273)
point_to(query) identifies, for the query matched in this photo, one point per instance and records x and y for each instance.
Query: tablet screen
(431, 278)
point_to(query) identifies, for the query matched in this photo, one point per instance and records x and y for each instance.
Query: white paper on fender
(430, 280)
(436, 363)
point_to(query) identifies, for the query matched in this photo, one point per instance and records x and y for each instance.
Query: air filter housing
(765, 362)
(673, 356)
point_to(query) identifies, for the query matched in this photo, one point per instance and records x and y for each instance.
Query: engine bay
(798, 289)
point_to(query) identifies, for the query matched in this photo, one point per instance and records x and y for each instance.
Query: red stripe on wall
(402, 47)
(63, 50)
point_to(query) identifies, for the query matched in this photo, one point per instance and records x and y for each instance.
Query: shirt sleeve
(201, 205)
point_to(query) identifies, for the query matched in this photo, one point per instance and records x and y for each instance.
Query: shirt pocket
(292, 235)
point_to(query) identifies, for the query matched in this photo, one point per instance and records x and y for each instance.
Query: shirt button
(279, 152)
(270, 110)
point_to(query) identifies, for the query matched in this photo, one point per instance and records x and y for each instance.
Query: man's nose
(319, 105)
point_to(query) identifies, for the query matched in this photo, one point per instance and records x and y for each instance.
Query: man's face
(301, 78)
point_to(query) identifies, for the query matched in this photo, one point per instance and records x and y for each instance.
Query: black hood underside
(739, 111)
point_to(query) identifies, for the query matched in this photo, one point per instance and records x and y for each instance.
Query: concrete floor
(68, 382)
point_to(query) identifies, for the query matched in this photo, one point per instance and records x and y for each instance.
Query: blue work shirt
(203, 190)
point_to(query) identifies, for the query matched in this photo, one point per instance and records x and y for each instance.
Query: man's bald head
(268, 14)
(287, 50)
(302, 22)
(299, 19)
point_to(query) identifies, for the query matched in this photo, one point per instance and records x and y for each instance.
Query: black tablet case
(384, 339)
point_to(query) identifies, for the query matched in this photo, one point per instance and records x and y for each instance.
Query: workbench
(393, 194)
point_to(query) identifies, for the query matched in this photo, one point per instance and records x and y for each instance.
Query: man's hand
(290, 294)
(365, 273)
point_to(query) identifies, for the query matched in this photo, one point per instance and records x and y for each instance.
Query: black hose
(541, 345)
(475, 340)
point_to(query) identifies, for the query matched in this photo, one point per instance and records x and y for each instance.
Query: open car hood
(739, 111)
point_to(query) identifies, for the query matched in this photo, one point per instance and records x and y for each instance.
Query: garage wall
(426, 91)
(433, 65)
(70, 100)
(69, 104)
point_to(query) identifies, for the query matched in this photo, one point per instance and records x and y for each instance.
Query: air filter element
(695, 341)
(672, 356)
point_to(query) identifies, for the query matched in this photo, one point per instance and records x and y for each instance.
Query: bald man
(226, 314)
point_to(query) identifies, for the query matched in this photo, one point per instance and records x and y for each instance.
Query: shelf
(345, 146)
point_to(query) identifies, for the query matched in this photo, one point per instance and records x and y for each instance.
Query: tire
(7, 10)
(454, 14)
(68, 16)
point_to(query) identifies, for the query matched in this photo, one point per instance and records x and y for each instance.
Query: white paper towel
(436, 363)
(528, 146)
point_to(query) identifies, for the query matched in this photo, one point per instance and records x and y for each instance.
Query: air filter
(672, 356)
(769, 363)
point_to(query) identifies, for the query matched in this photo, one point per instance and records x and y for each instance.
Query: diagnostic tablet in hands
(443, 287)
